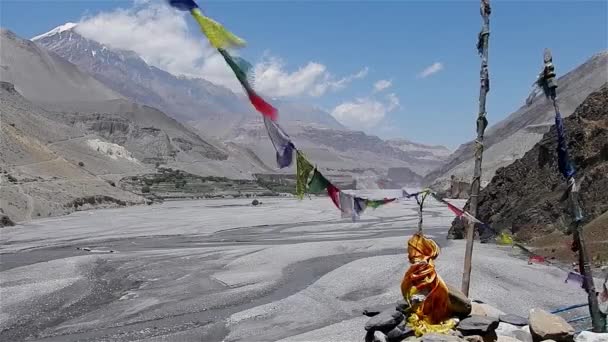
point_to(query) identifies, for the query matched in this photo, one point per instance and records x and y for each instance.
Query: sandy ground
(222, 270)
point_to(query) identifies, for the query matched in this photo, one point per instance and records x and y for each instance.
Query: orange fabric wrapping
(421, 278)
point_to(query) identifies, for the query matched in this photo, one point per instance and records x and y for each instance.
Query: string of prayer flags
(222, 39)
(281, 143)
(303, 170)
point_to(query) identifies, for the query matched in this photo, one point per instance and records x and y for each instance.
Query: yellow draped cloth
(433, 313)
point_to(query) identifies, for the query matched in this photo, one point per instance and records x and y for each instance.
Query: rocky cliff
(525, 197)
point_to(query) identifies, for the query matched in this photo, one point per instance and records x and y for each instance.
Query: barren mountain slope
(509, 139)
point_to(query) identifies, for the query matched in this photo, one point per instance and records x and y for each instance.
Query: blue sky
(394, 41)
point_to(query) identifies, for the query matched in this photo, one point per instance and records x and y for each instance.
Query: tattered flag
(303, 170)
(563, 161)
(318, 183)
(281, 143)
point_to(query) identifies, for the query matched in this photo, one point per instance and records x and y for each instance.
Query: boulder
(501, 338)
(474, 338)
(544, 326)
(477, 325)
(384, 321)
(513, 319)
(459, 304)
(379, 336)
(520, 333)
(588, 336)
(399, 333)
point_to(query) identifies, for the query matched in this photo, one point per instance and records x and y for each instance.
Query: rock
(399, 333)
(403, 307)
(501, 338)
(544, 325)
(483, 309)
(477, 325)
(459, 305)
(520, 333)
(379, 336)
(588, 336)
(513, 319)
(5, 221)
(477, 309)
(384, 321)
(371, 312)
(474, 338)
(490, 336)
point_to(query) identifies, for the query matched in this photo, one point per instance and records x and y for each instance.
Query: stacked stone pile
(475, 322)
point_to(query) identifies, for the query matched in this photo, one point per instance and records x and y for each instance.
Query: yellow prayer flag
(219, 37)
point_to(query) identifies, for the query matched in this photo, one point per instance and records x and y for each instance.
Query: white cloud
(365, 113)
(393, 102)
(160, 35)
(381, 85)
(329, 84)
(272, 78)
(156, 32)
(431, 69)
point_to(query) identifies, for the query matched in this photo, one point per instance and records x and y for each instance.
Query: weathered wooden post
(546, 81)
(482, 122)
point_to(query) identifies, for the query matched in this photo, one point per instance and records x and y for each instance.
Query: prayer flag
(563, 161)
(219, 37)
(318, 183)
(360, 205)
(281, 142)
(303, 170)
(334, 194)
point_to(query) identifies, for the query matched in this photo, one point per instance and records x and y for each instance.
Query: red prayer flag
(455, 210)
(334, 194)
(262, 106)
(536, 259)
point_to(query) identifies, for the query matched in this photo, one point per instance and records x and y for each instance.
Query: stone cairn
(432, 311)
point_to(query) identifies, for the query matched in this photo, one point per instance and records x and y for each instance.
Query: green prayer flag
(374, 203)
(318, 183)
(303, 170)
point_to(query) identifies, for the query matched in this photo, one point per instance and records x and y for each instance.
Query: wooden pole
(482, 122)
(548, 83)
(420, 202)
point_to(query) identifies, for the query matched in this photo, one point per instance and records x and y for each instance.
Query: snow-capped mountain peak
(58, 29)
